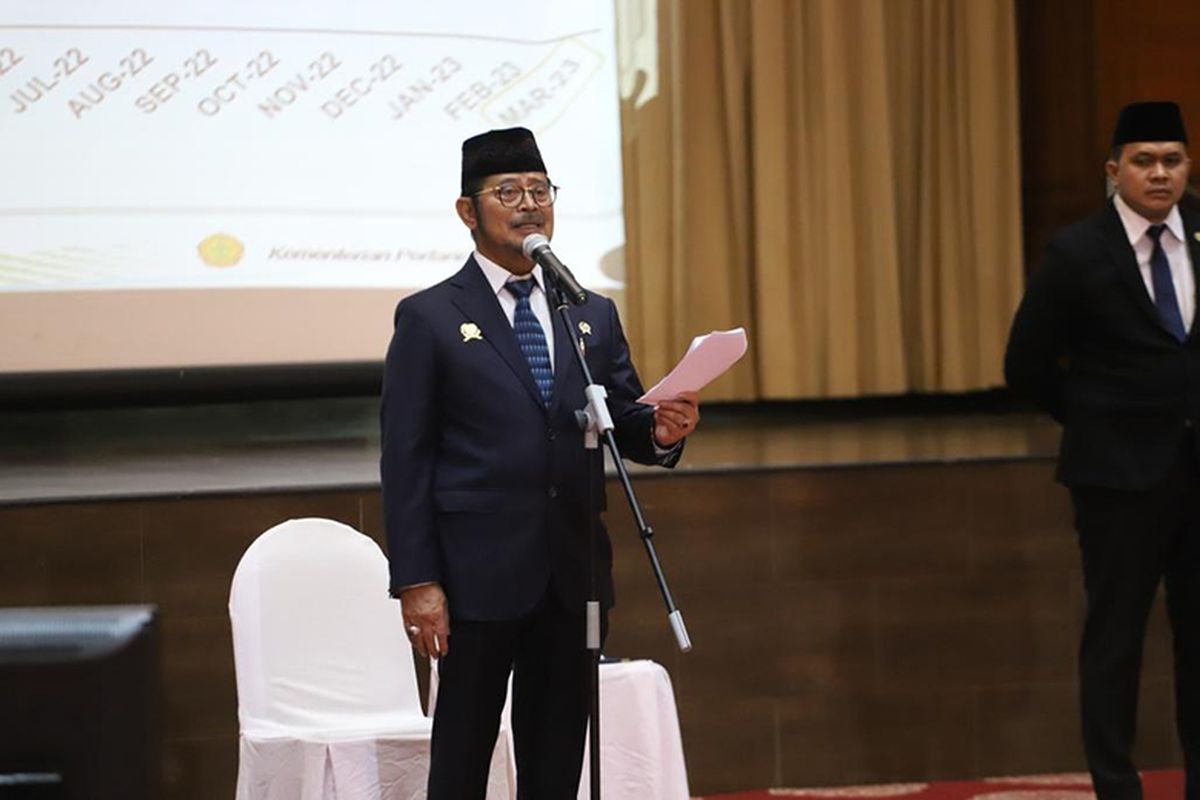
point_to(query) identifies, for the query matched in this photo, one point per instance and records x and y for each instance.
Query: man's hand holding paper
(675, 419)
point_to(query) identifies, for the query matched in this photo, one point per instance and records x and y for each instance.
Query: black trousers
(547, 654)
(1131, 540)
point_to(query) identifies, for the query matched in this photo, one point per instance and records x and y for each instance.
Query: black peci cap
(506, 150)
(1154, 121)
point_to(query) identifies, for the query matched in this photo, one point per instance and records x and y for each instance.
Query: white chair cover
(327, 692)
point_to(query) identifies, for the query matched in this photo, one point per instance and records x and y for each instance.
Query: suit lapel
(1121, 253)
(1193, 244)
(564, 358)
(478, 302)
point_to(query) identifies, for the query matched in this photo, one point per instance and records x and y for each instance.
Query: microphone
(537, 247)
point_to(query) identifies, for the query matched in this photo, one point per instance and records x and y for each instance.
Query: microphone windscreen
(532, 242)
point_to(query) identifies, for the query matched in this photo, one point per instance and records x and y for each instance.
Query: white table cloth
(641, 751)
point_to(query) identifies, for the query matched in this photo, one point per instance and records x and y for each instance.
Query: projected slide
(158, 148)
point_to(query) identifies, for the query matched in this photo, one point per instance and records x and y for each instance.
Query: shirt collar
(497, 275)
(1136, 225)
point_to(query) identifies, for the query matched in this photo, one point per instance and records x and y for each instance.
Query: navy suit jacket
(1088, 346)
(485, 491)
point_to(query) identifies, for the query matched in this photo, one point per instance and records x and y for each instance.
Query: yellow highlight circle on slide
(221, 250)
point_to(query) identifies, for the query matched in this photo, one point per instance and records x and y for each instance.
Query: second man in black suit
(1104, 341)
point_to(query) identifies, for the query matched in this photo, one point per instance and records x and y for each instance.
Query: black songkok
(494, 152)
(1155, 121)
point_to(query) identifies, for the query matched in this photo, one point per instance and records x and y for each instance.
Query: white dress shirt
(1174, 244)
(497, 276)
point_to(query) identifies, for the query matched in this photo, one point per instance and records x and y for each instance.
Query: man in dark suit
(488, 489)
(1104, 341)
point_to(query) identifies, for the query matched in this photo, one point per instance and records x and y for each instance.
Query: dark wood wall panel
(1147, 51)
(52, 558)
(850, 625)
(1062, 157)
(874, 624)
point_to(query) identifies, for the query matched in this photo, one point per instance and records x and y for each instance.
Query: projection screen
(233, 183)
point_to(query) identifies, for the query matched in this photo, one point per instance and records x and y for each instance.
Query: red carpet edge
(1166, 784)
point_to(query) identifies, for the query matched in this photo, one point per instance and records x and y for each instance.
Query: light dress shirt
(1174, 244)
(497, 276)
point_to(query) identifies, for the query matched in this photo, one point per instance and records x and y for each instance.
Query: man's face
(1151, 176)
(500, 230)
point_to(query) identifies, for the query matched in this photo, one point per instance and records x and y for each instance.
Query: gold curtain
(841, 177)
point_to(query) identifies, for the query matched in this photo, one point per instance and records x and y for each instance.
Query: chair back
(319, 647)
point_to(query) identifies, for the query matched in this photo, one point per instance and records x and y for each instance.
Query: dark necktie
(532, 339)
(1164, 287)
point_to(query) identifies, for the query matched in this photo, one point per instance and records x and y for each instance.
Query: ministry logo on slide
(221, 250)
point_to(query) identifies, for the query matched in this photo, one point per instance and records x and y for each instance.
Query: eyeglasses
(510, 194)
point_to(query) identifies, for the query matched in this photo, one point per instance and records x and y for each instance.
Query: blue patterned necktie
(1164, 287)
(532, 338)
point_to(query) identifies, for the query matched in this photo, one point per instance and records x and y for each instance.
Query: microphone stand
(596, 423)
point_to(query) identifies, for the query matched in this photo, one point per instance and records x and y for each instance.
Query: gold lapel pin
(1196, 236)
(469, 331)
(586, 329)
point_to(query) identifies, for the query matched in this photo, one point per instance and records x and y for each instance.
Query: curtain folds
(841, 177)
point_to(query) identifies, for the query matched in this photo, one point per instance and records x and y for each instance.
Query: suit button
(1187, 423)
(553, 493)
(550, 434)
